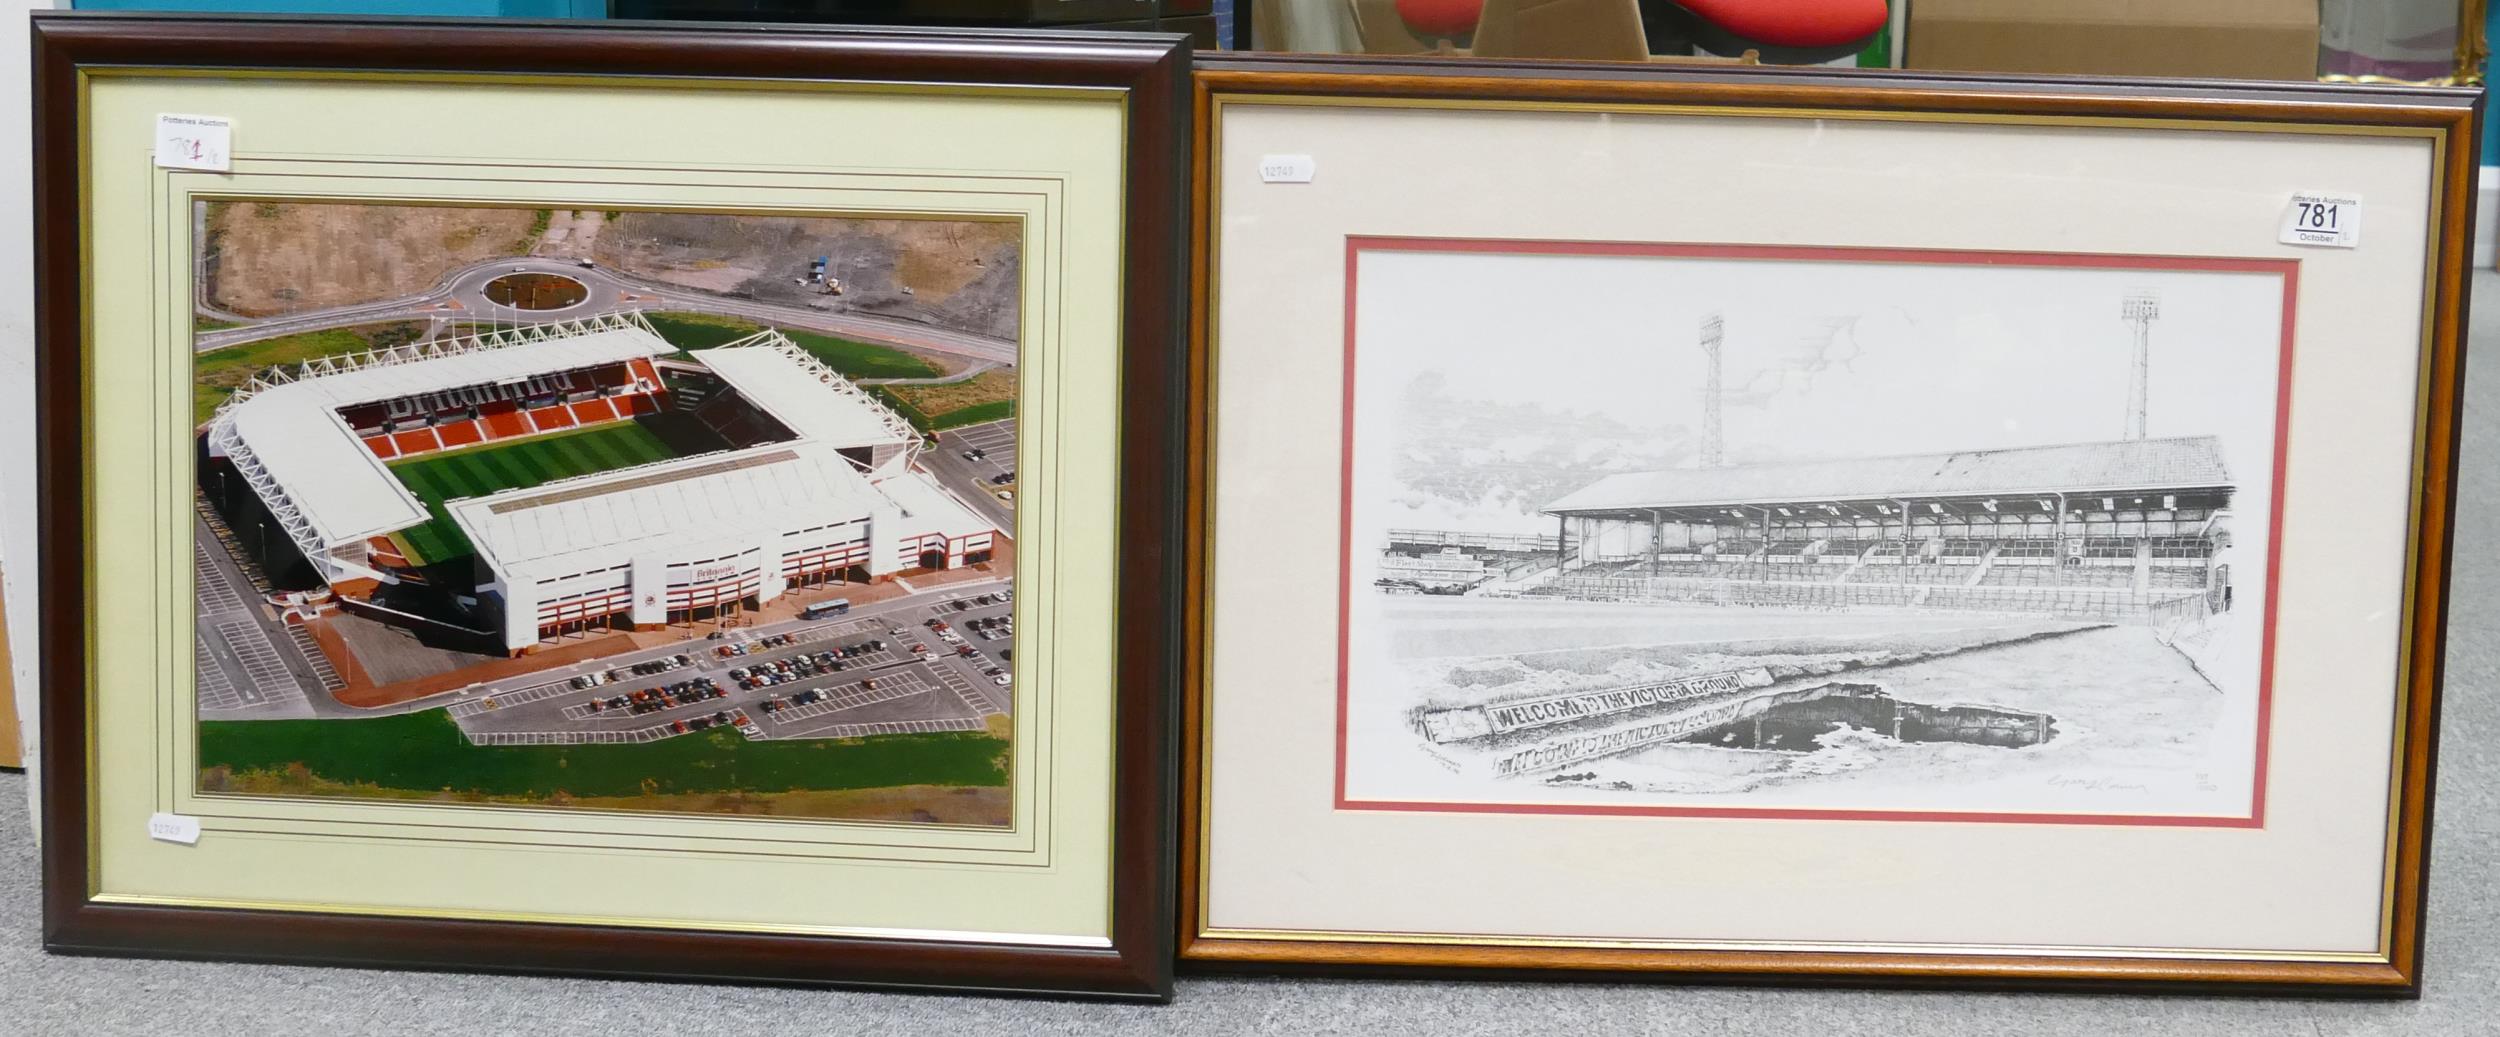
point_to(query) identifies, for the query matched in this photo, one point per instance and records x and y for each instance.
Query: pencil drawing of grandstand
(1765, 609)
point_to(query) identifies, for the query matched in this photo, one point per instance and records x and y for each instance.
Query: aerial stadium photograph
(589, 509)
(1880, 534)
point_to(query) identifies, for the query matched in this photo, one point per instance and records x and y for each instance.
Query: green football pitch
(513, 465)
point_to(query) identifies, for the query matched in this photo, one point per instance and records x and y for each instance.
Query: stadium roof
(2186, 463)
(790, 385)
(731, 500)
(594, 521)
(341, 489)
(922, 499)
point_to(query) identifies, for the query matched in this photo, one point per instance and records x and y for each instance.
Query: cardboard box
(2232, 39)
(12, 745)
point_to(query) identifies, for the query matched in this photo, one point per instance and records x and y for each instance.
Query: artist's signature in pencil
(2095, 784)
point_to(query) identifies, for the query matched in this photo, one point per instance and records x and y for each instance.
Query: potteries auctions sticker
(2333, 220)
(194, 142)
(174, 828)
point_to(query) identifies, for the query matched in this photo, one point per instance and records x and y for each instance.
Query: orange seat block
(462, 434)
(505, 425)
(418, 442)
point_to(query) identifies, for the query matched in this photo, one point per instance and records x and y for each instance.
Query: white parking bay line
(974, 696)
(215, 594)
(314, 660)
(852, 697)
(533, 693)
(260, 661)
(217, 692)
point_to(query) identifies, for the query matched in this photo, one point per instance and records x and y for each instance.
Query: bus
(822, 609)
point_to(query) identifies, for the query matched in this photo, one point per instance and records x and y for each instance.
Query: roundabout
(536, 290)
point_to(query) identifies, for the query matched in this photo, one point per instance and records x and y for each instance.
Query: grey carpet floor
(42, 995)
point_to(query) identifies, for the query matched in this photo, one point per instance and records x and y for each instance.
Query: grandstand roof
(937, 509)
(806, 397)
(2185, 463)
(340, 487)
(733, 500)
(598, 520)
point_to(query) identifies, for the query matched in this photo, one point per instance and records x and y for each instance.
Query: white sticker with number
(2333, 220)
(1288, 169)
(195, 142)
(174, 828)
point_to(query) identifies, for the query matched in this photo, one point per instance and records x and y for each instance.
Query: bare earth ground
(961, 274)
(274, 258)
(571, 233)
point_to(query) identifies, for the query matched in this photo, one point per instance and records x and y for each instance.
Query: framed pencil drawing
(1849, 527)
(621, 500)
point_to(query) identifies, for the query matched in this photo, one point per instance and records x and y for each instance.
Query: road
(461, 296)
(970, 478)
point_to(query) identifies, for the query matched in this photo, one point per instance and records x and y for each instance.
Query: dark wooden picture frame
(2450, 116)
(1151, 70)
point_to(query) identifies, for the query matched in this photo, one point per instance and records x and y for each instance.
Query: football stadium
(1867, 620)
(2135, 528)
(526, 483)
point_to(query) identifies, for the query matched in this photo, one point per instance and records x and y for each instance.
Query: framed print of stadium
(1818, 526)
(618, 500)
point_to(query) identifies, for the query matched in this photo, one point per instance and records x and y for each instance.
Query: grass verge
(852, 359)
(425, 754)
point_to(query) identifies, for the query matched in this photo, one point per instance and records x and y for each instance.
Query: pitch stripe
(506, 469)
(608, 451)
(611, 447)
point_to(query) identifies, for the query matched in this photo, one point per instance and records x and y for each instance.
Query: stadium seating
(460, 434)
(417, 425)
(503, 420)
(1919, 573)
